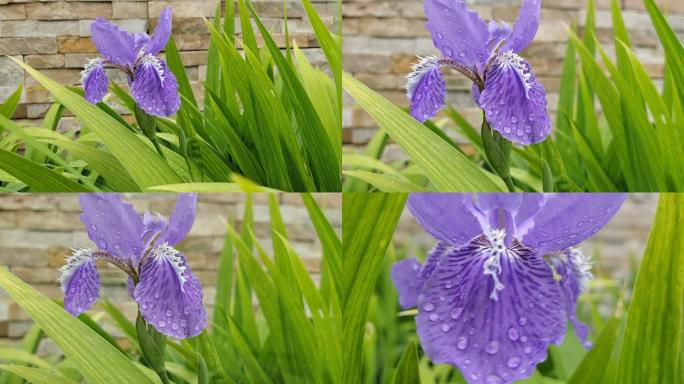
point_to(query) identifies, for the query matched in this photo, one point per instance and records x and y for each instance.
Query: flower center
(151, 61)
(91, 65)
(492, 265)
(74, 261)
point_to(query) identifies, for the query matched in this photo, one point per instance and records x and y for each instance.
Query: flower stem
(498, 152)
(148, 126)
(152, 346)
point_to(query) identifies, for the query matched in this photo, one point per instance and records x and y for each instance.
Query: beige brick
(129, 10)
(76, 45)
(45, 61)
(393, 28)
(12, 12)
(32, 28)
(192, 58)
(61, 75)
(27, 45)
(183, 9)
(68, 10)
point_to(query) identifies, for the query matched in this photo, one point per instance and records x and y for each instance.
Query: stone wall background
(38, 230)
(54, 37)
(383, 37)
(612, 248)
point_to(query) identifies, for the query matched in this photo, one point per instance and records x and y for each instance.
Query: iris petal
(112, 224)
(567, 219)
(525, 27)
(575, 271)
(491, 340)
(181, 220)
(115, 44)
(155, 88)
(459, 33)
(94, 81)
(514, 101)
(161, 34)
(426, 89)
(80, 282)
(409, 275)
(445, 216)
(170, 296)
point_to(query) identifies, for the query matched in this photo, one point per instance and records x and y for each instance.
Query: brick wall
(382, 39)
(623, 238)
(53, 36)
(38, 230)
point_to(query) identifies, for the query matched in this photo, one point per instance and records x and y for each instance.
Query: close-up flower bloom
(504, 278)
(160, 280)
(153, 86)
(513, 101)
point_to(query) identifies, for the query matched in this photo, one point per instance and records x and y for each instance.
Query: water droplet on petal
(513, 362)
(428, 307)
(513, 334)
(492, 347)
(528, 350)
(445, 327)
(493, 379)
(433, 317)
(462, 343)
(522, 321)
(456, 313)
(169, 312)
(162, 323)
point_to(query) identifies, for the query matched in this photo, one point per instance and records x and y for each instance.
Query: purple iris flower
(504, 86)
(161, 282)
(153, 85)
(499, 286)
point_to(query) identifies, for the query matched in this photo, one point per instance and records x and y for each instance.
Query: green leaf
(593, 366)
(446, 167)
(96, 359)
(407, 370)
(10, 105)
(652, 342)
(368, 223)
(145, 166)
(37, 375)
(209, 188)
(37, 177)
(387, 182)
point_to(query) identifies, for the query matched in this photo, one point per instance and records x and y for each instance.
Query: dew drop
(513, 334)
(462, 343)
(445, 327)
(94, 227)
(528, 350)
(514, 119)
(433, 317)
(102, 243)
(174, 325)
(428, 307)
(456, 313)
(513, 362)
(523, 339)
(522, 321)
(162, 323)
(169, 312)
(492, 347)
(493, 379)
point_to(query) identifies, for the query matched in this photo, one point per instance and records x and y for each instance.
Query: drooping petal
(426, 89)
(493, 315)
(514, 101)
(409, 275)
(153, 225)
(445, 216)
(115, 44)
(94, 80)
(567, 219)
(112, 224)
(181, 220)
(155, 88)
(169, 295)
(574, 269)
(498, 32)
(161, 33)
(525, 27)
(80, 282)
(459, 33)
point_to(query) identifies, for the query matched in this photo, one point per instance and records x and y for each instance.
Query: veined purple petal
(514, 101)
(155, 88)
(459, 33)
(525, 27)
(575, 271)
(567, 219)
(181, 220)
(115, 44)
(426, 89)
(112, 224)
(94, 80)
(493, 313)
(445, 216)
(169, 295)
(409, 275)
(161, 33)
(80, 282)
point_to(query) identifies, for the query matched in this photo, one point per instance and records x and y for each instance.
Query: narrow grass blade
(652, 343)
(37, 177)
(593, 366)
(10, 105)
(387, 182)
(37, 375)
(407, 370)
